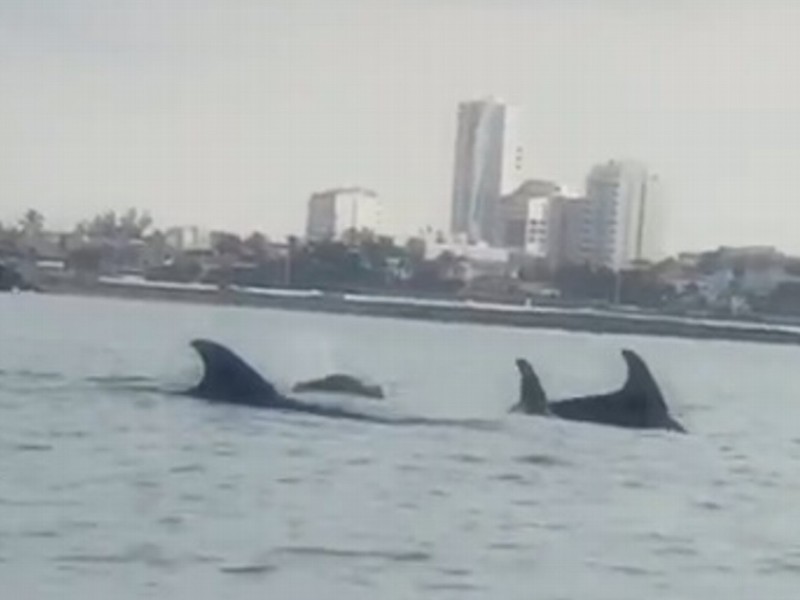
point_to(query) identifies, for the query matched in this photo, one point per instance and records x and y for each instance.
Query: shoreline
(586, 321)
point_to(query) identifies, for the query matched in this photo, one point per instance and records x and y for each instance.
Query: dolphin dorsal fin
(641, 384)
(532, 397)
(227, 377)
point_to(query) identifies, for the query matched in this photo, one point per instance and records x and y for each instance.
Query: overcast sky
(230, 113)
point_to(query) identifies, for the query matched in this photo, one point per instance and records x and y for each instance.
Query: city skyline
(232, 117)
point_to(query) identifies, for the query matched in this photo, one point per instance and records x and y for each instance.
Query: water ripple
(188, 468)
(257, 569)
(147, 554)
(323, 551)
(31, 447)
(545, 460)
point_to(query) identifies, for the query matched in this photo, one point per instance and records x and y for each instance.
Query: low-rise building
(334, 213)
(186, 239)
(523, 218)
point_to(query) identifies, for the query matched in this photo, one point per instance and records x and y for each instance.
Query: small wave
(129, 383)
(142, 388)
(80, 525)
(469, 458)
(148, 554)
(510, 478)
(191, 498)
(40, 534)
(471, 424)
(708, 505)
(454, 572)
(547, 526)
(189, 468)
(256, 569)
(299, 451)
(29, 447)
(675, 550)
(322, 551)
(635, 484)
(633, 570)
(68, 434)
(452, 587)
(360, 580)
(224, 450)
(93, 559)
(31, 374)
(289, 480)
(172, 521)
(28, 503)
(527, 502)
(86, 481)
(205, 559)
(544, 460)
(506, 546)
(780, 564)
(122, 379)
(410, 468)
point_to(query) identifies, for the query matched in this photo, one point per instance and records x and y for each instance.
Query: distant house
(730, 278)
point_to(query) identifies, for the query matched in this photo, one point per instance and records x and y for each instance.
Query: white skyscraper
(488, 162)
(625, 217)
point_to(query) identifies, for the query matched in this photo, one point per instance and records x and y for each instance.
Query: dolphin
(532, 397)
(229, 379)
(638, 404)
(342, 384)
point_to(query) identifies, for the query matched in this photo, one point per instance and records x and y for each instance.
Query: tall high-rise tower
(488, 163)
(625, 204)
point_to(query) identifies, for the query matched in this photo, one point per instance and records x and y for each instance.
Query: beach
(589, 320)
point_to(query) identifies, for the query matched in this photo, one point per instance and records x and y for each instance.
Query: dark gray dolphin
(340, 384)
(639, 404)
(532, 398)
(230, 380)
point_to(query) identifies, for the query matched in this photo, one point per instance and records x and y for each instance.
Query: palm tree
(32, 223)
(103, 226)
(31, 226)
(133, 225)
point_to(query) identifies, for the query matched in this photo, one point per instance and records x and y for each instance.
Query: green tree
(103, 226)
(228, 244)
(32, 223)
(257, 245)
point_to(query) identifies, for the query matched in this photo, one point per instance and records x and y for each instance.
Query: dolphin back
(532, 397)
(340, 383)
(639, 404)
(642, 387)
(228, 378)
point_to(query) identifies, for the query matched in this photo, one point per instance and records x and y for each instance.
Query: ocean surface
(112, 487)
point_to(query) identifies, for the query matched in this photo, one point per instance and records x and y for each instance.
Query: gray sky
(230, 114)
